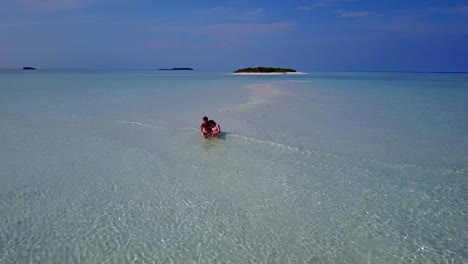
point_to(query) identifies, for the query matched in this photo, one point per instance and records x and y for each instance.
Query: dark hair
(205, 118)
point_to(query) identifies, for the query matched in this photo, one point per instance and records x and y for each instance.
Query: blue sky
(410, 35)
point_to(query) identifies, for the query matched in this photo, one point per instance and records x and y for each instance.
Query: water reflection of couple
(209, 128)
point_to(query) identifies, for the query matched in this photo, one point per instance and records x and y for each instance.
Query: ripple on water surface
(97, 191)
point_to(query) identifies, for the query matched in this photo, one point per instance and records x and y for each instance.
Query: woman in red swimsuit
(209, 128)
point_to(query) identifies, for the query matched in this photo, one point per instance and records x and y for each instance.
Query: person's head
(205, 119)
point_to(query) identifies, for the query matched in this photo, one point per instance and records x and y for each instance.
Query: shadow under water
(212, 142)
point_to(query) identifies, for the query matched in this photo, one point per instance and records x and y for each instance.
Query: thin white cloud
(304, 8)
(325, 2)
(246, 28)
(414, 28)
(82, 19)
(223, 29)
(235, 34)
(320, 3)
(55, 5)
(415, 22)
(15, 24)
(252, 14)
(237, 2)
(224, 34)
(355, 14)
(221, 9)
(159, 44)
(460, 10)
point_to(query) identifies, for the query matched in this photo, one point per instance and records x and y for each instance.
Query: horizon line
(210, 70)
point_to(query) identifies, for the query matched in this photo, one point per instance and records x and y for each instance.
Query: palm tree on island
(264, 70)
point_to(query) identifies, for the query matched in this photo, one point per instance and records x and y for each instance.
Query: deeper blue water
(326, 167)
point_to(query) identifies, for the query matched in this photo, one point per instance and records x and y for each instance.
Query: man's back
(205, 126)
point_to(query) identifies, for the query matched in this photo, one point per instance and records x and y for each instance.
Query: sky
(319, 35)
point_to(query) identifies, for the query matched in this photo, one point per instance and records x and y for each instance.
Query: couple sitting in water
(209, 128)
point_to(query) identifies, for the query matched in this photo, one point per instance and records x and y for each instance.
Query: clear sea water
(108, 167)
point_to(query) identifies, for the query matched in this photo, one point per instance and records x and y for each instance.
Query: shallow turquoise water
(107, 167)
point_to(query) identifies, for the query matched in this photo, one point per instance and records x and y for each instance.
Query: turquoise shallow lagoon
(108, 167)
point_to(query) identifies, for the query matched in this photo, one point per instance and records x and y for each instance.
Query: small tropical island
(177, 69)
(264, 70)
(29, 68)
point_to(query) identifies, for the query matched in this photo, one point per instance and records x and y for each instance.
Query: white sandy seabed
(91, 173)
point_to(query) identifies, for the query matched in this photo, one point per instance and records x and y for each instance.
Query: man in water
(209, 128)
